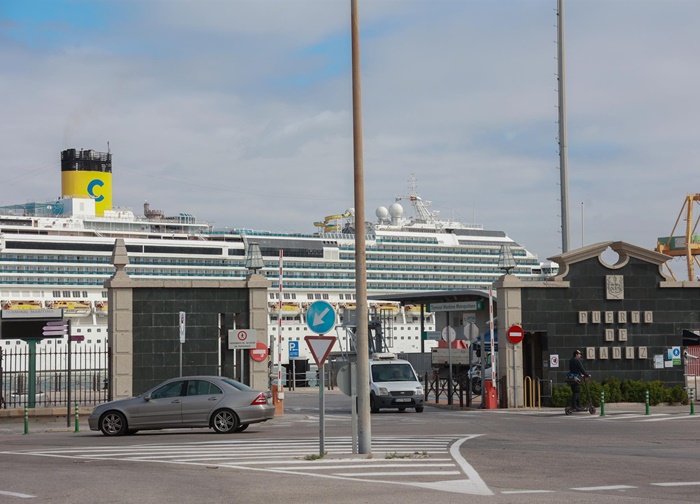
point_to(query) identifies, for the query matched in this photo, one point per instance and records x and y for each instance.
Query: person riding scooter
(576, 374)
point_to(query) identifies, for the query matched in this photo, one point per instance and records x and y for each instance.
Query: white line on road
(677, 483)
(402, 473)
(526, 491)
(15, 494)
(611, 487)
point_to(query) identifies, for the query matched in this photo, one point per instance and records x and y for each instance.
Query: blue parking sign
(293, 349)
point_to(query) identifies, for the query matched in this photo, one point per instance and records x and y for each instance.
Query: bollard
(77, 415)
(647, 403)
(26, 419)
(692, 401)
(602, 403)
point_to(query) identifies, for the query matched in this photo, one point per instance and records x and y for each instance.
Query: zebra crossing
(434, 462)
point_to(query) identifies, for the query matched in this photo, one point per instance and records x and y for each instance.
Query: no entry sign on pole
(515, 334)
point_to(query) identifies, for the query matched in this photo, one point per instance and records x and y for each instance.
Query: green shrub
(561, 396)
(678, 395)
(633, 391)
(625, 391)
(613, 393)
(594, 388)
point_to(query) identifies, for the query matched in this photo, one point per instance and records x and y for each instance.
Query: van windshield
(393, 372)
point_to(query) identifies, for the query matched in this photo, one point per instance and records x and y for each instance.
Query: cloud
(241, 111)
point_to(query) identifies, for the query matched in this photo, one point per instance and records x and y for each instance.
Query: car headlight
(419, 391)
(383, 391)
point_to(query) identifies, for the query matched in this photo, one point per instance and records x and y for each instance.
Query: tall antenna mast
(563, 145)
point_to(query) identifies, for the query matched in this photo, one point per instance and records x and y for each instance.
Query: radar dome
(381, 213)
(396, 210)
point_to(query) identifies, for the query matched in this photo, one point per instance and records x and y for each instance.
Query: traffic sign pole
(320, 347)
(322, 416)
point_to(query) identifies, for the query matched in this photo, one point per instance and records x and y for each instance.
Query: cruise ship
(56, 254)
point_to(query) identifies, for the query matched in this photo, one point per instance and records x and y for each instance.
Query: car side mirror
(147, 397)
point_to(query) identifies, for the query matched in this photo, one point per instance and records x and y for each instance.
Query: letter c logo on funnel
(91, 188)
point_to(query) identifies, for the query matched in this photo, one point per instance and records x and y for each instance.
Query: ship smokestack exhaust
(87, 174)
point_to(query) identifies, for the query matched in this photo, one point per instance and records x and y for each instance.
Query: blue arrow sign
(320, 317)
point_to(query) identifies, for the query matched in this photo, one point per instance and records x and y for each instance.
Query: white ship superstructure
(57, 255)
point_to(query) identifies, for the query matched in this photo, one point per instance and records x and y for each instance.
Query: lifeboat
(273, 308)
(414, 310)
(21, 305)
(290, 310)
(386, 308)
(101, 308)
(73, 308)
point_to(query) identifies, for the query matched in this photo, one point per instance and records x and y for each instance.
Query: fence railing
(56, 383)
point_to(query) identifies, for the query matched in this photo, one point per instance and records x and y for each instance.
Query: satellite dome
(381, 213)
(396, 210)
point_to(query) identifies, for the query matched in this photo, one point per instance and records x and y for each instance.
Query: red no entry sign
(515, 334)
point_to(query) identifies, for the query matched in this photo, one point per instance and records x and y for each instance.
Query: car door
(163, 409)
(201, 399)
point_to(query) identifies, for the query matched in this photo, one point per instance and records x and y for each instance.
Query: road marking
(403, 473)
(412, 459)
(611, 487)
(15, 494)
(526, 491)
(677, 483)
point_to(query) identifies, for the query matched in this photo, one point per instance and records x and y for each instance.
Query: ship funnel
(87, 174)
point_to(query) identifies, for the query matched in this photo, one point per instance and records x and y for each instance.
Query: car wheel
(225, 421)
(419, 409)
(476, 386)
(113, 423)
(373, 404)
(402, 409)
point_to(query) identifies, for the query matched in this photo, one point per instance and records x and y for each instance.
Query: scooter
(591, 409)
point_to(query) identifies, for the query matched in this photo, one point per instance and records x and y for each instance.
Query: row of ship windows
(441, 275)
(305, 273)
(304, 328)
(297, 338)
(371, 272)
(445, 284)
(309, 296)
(420, 262)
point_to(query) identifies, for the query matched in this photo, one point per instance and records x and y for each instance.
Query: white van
(393, 384)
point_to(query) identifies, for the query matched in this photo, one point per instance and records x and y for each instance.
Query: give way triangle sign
(320, 347)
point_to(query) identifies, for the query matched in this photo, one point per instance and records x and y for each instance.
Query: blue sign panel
(320, 317)
(293, 349)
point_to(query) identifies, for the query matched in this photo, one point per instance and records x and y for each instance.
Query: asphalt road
(440, 455)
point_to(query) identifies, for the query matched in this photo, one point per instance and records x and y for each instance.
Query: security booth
(628, 319)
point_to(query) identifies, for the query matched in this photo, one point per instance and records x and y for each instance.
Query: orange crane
(688, 245)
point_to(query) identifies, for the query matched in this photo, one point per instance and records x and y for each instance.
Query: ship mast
(420, 206)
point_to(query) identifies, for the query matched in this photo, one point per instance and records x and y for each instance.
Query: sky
(240, 111)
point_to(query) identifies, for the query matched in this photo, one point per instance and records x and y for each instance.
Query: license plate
(403, 399)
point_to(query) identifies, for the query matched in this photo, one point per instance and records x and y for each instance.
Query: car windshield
(392, 372)
(236, 384)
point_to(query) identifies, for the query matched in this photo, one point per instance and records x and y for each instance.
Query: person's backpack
(572, 378)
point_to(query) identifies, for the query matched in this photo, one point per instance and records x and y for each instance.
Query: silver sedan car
(216, 402)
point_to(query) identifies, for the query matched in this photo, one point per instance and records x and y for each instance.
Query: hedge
(625, 391)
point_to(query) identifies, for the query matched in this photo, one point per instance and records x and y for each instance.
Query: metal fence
(62, 376)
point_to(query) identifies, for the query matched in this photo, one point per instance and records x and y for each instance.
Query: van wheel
(419, 409)
(402, 409)
(373, 404)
